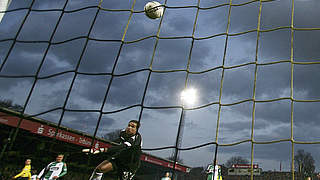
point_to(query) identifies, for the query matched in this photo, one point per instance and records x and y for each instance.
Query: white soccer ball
(153, 9)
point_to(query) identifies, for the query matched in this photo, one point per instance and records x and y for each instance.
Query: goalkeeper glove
(94, 151)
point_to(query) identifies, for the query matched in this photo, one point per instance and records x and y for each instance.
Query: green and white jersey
(53, 169)
(214, 173)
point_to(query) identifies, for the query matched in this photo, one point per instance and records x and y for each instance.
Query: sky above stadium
(256, 66)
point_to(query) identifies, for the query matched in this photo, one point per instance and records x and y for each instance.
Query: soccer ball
(153, 10)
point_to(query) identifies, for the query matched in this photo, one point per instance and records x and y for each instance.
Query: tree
(304, 163)
(236, 160)
(7, 103)
(196, 173)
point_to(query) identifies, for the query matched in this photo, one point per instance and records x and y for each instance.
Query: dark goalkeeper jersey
(127, 153)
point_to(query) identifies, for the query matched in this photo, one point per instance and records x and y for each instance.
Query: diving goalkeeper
(124, 158)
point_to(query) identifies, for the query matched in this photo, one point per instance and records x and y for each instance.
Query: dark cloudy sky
(53, 44)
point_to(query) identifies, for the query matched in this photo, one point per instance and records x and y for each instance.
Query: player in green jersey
(214, 173)
(54, 170)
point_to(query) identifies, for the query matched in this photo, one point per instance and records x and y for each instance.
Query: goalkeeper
(124, 158)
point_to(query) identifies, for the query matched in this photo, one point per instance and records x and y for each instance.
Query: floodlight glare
(188, 96)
